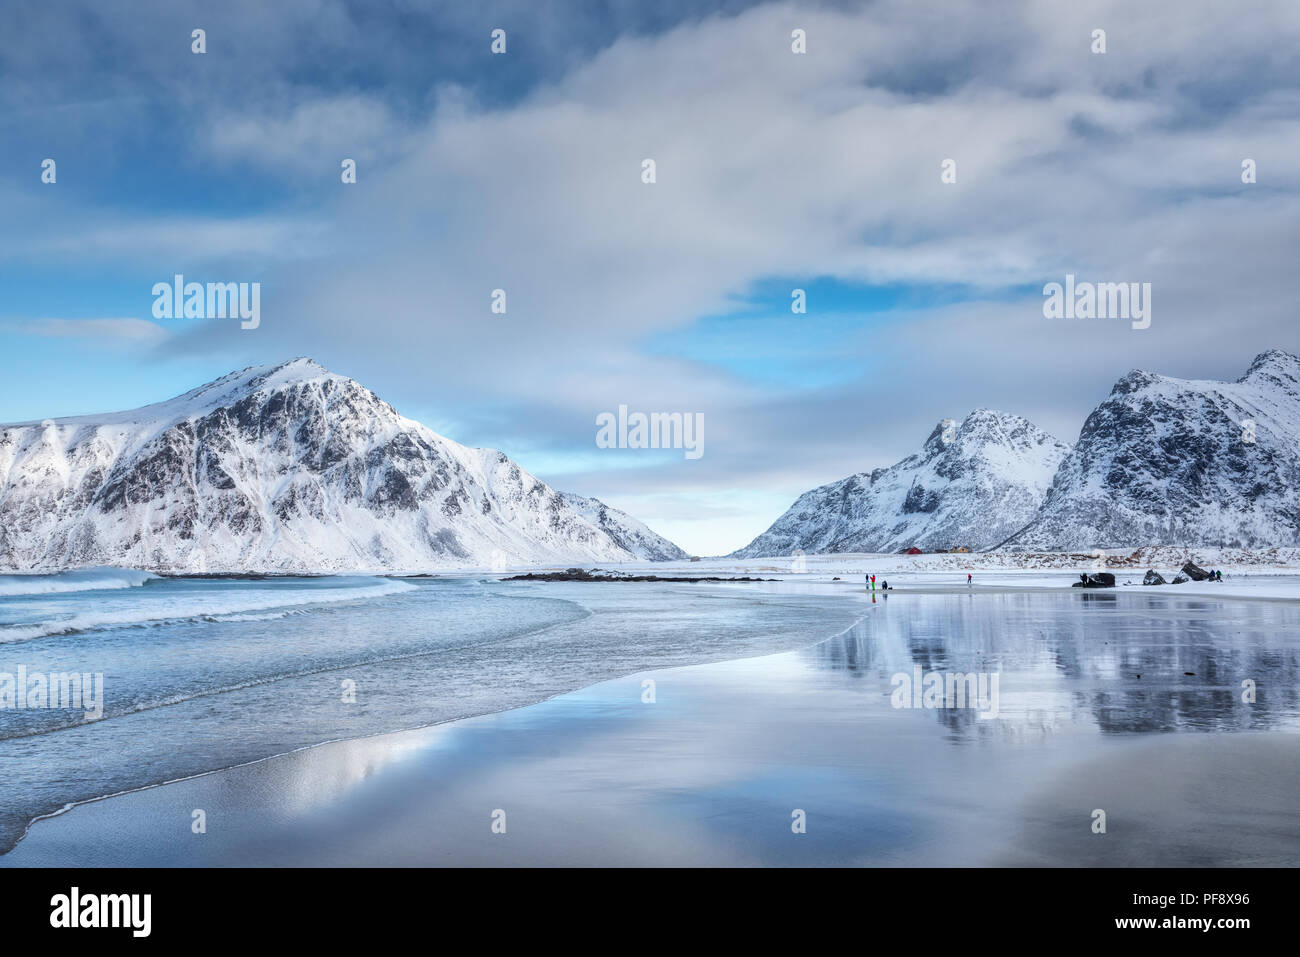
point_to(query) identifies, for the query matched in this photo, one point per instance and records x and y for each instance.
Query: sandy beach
(729, 757)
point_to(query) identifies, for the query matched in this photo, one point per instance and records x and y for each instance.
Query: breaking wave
(225, 605)
(81, 579)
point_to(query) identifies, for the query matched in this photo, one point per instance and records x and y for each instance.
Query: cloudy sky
(775, 171)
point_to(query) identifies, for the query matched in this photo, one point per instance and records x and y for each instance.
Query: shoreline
(1234, 560)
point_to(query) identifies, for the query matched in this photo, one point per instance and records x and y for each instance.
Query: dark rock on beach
(1099, 580)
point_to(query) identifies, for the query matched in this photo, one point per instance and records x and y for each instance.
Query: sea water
(200, 674)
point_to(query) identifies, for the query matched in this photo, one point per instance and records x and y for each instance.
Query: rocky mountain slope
(284, 468)
(971, 485)
(1165, 461)
(624, 530)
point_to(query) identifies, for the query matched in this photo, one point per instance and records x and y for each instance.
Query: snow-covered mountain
(625, 530)
(971, 485)
(1169, 461)
(284, 468)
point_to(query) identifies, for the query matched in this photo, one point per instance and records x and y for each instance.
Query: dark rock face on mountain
(971, 485)
(1182, 462)
(284, 468)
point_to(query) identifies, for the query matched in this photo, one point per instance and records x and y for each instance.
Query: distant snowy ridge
(285, 468)
(972, 484)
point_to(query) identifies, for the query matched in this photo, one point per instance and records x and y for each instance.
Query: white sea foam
(80, 579)
(216, 606)
(259, 616)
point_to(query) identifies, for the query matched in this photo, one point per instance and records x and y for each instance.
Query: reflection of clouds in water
(315, 777)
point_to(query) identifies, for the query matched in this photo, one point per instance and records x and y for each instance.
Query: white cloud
(122, 333)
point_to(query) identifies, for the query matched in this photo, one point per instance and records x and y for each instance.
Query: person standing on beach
(968, 579)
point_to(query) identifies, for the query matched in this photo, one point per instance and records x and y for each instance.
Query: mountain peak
(303, 364)
(980, 418)
(290, 370)
(1133, 381)
(235, 385)
(984, 426)
(1273, 364)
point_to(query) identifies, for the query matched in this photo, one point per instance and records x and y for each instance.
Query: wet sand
(714, 771)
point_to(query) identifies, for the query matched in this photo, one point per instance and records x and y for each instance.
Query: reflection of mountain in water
(1076, 660)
